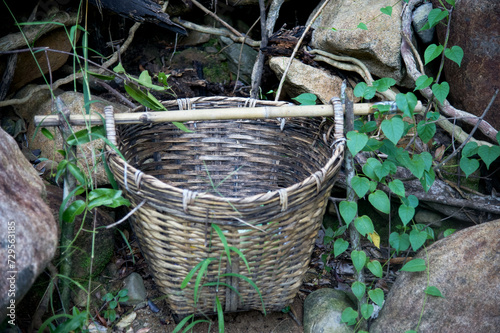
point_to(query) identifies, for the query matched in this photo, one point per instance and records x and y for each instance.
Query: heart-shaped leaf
(455, 53)
(348, 210)
(362, 26)
(356, 141)
(360, 185)
(422, 82)
(406, 103)
(412, 201)
(441, 91)
(433, 291)
(370, 166)
(375, 267)
(349, 316)
(383, 84)
(397, 187)
(365, 91)
(417, 166)
(364, 225)
(366, 310)
(416, 265)
(426, 130)
(428, 179)
(358, 260)
(379, 200)
(488, 154)
(432, 52)
(469, 149)
(435, 16)
(375, 238)
(400, 242)
(468, 165)
(387, 10)
(393, 129)
(406, 213)
(377, 296)
(306, 99)
(339, 246)
(417, 239)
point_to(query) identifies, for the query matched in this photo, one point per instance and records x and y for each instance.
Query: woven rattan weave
(265, 188)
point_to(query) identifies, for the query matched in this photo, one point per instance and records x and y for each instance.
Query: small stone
(323, 311)
(419, 19)
(136, 290)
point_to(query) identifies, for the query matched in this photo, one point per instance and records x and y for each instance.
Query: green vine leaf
(426, 130)
(498, 137)
(349, 316)
(358, 289)
(423, 82)
(360, 185)
(417, 239)
(306, 99)
(364, 225)
(370, 166)
(416, 265)
(364, 91)
(412, 201)
(339, 247)
(451, 2)
(375, 267)
(406, 103)
(348, 211)
(469, 149)
(433, 291)
(435, 16)
(393, 129)
(397, 187)
(377, 296)
(362, 26)
(400, 242)
(356, 141)
(488, 154)
(379, 200)
(406, 213)
(432, 52)
(441, 91)
(366, 310)
(417, 166)
(358, 259)
(455, 54)
(468, 165)
(428, 179)
(387, 10)
(383, 84)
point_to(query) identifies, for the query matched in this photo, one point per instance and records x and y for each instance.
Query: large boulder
(378, 47)
(28, 231)
(475, 27)
(465, 267)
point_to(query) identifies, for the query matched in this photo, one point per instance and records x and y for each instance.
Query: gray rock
(425, 216)
(465, 268)
(302, 78)
(419, 19)
(378, 47)
(136, 290)
(28, 231)
(323, 310)
(248, 56)
(74, 101)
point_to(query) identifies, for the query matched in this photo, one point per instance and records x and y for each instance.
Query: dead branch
(216, 31)
(233, 30)
(259, 63)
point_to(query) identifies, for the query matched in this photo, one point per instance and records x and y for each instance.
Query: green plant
(377, 178)
(75, 322)
(112, 302)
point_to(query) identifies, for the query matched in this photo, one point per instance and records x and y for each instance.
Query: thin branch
(259, 63)
(233, 30)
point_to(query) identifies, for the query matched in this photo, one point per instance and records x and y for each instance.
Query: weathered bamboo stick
(264, 112)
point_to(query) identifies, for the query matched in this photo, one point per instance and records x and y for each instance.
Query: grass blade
(220, 315)
(251, 283)
(224, 241)
(242, 256)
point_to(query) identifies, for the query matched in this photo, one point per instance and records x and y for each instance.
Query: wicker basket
(265, 188)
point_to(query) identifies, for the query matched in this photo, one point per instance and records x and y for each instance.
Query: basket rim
(317, 177)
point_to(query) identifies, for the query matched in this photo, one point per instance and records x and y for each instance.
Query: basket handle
(109, 114)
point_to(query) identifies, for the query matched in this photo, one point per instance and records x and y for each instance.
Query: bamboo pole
(264, 112)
